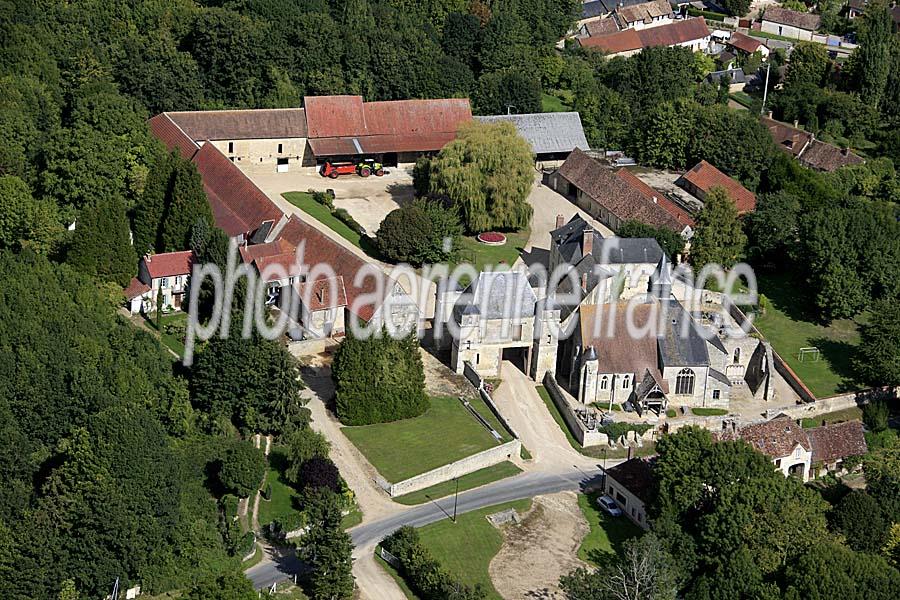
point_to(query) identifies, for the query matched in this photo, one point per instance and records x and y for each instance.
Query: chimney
(587, 241)
(655, 200)
(769, 114)
(796, 123)
(148, 257)
(845, 151)
(560, 221)
(584, 281)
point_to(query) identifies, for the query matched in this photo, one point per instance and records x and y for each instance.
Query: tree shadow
(789, 294)
(840, 356)
(401, 193)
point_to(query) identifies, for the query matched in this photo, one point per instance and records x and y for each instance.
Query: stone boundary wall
(814, 409)
(476, 380)
(781, 367)
(579, 431)
(464, 466)
(311, 346)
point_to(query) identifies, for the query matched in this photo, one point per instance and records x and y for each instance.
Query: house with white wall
(162, 276)
(790, 23)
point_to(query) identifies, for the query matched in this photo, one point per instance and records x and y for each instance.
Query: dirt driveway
(543, 547)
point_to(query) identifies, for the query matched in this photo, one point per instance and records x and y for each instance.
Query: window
(625, 381)
(468, 344)
(477, 359)
(280, 148)
(684, 382)
(177, 280)
(716, 394)
(737, 355)
(164, 282)
(604, 382)
(798, 452)
(230, 147)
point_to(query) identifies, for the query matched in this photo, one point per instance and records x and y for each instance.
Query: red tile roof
(238, 206)
(838, 441)
(169, 264)
(705, 177)
(828, 157)
(790, 139)
(241, 124)
(317, 295)
(349, 116)
(615, 193)
(172, 136)
(744, 43)
(135, 288)
(775, 438)
(683, 216)
(671, 34)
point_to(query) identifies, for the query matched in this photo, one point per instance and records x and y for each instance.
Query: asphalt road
(526, 485)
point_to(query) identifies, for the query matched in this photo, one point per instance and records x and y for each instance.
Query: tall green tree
(859, 518)
(327, 547)
(878, 358)
(186, 203)
(718, 235)
(243, 468)
(230, 586)
(871, 61)
(808, 65)
(670, 241)
(24, 220)
(101, 245)
(487, 171)
(416, 233)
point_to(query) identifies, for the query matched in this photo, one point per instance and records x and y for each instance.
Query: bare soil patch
(542, 548)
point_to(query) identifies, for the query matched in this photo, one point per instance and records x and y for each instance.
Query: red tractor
(364, 168)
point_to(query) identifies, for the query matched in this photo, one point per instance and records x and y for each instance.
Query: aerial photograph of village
(449, 299)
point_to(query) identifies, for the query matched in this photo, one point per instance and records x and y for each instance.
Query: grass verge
(304, 201)
(173, 343)
(284, 498)
(465, 548)
(401, 583)
(444, 434)
(352, 519)
(604, 542)
(466, 482)
(257, 557)
(708, 412)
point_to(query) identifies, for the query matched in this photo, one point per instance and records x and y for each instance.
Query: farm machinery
(363, 168)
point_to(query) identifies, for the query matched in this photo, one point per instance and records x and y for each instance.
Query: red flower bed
(492, 238)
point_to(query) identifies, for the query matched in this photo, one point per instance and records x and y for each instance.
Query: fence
(389, 558)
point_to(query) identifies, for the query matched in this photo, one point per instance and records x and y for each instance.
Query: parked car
(608, 505)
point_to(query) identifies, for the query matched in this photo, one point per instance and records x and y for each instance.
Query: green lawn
(788, 327)
(174, 343)
(551, 103)
(470, 250)
(466, 482)
(742, 98)
(838, 416)
(352, 519)
(708, 412)
(670, 413)
(445, 433)
(304, 201)
(607, 533)
(465, 548)
(284, 497)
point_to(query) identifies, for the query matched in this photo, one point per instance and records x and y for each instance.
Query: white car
(608, 505)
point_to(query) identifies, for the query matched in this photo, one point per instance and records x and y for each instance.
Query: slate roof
(681, 343)
(636, 476)
(589, 10)
(644, 12)
(547, 132)
(837, 441)
(737, 76)
(618, 194)
(238, 206)
(169, 264)
(790, 139)
(671, 34)
(775, 438)
(719, 376)
(242, 124)
(705, 177)
(172, 136)
(498, 295)
(828, 157)
(568, 240)
(783, 16)
(744, 43)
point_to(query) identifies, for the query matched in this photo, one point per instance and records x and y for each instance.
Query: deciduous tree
(243, 468)
(878, 360)
(718, 236)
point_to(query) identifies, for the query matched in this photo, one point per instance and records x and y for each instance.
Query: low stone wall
(476, 380)
(584, 436)
(819, 407)
(311, 346)
(464, 466)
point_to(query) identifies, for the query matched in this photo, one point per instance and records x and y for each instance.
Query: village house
(687, 33)
(613, 197)
(790, 23)
(630, 485)
(745, 45)
(644, 15)
(162, 277)
(737, 80)
(553, 136)
(800, 452)
(703, 177)
(811, 152)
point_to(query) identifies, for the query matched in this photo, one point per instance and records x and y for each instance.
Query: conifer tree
(101, 245)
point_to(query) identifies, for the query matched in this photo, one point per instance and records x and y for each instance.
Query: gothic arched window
(684, 382)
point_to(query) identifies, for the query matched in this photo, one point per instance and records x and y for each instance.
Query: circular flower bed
(491, 238)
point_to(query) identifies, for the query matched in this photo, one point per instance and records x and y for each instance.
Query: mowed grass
(470, 250)
(173, 343)
(839, 416)
(708, 412)
(304, 201)
(466, 482)
(551, 103)
(465, 548)
(788, 327)
(445, 433)
(607, 535)
(284, 497)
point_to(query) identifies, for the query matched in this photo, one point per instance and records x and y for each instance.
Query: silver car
(608, 505)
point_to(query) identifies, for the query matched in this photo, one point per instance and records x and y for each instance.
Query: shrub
(320, 472)
(875, 415)
(323, 198)
(303, 445)
(415, 233)
(378, 379)
(248, 541)
(345, 217)
(243, 468)
(616, 430)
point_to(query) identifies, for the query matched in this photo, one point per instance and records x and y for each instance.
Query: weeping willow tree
(487, 172)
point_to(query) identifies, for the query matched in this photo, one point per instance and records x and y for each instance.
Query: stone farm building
(790, 23)
(326, 128)
(613, 197)
(553, 136)
(811, 152)
(701, 179)
(162, 276)
(688, 33)
(269, 239)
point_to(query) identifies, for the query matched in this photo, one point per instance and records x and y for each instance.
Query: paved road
(526, 485)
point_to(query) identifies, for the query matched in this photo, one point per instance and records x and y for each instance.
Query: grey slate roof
(593, 9)
(681, 344)
(737, 76)
(497, 295)
(718, 375)
(547, 132)
(611, 251)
